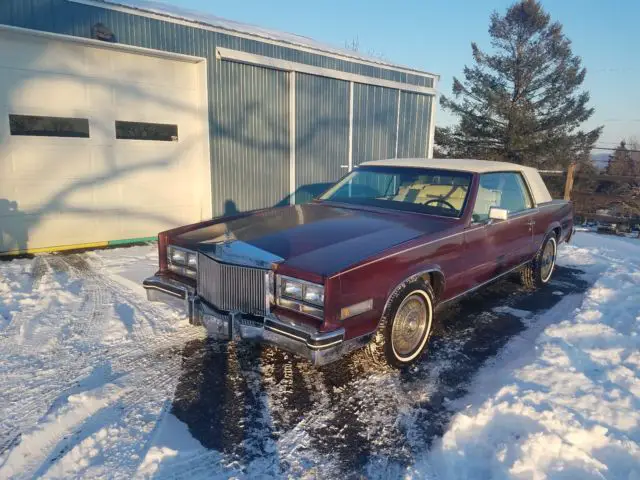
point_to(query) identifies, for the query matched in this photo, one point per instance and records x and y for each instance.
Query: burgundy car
(367, 262)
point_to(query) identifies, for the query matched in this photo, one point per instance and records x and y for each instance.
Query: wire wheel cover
(410, 325)
(548, 260)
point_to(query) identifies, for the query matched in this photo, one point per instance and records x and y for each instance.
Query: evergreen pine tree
(522, 102)
(622, 163)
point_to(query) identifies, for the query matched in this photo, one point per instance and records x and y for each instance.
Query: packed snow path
(97, 382)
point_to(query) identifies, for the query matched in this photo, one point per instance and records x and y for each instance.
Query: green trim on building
(126, 241)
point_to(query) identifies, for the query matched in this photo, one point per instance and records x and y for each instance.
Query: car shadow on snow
(354, 416)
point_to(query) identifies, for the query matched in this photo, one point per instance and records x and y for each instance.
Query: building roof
(463, 164)
(208, 20)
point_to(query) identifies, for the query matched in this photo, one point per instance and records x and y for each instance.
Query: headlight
(178, 256)
(192, 260)
(290, 288)
(300, 296)
(182, 261)
(314, 294)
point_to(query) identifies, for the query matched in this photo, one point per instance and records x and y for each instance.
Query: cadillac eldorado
(368, 262)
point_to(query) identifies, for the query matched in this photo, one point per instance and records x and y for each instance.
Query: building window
(37, 126)
(146, 131)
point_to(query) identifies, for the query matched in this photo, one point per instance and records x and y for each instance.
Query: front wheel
(406, 325)
(537, 273)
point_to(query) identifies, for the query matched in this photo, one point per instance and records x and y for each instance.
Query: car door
(518, 201)
(494, 247)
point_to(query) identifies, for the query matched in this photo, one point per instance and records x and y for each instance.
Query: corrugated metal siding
(322, 133)
(415, 110)
(251, 138)
(60, 16)
(375, 112)
(263, 98)
(285, 53)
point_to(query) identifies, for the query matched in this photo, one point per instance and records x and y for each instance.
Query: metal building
(121, 118)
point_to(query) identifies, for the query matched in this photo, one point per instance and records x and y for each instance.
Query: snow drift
(566, 405)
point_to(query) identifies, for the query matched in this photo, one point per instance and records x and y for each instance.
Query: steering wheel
(440, 201)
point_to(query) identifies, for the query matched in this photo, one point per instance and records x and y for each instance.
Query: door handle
(531, 223)
(344, 166)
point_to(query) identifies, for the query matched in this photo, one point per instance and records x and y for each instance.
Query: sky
(436, 36)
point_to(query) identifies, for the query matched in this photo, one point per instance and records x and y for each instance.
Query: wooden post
(568, 184)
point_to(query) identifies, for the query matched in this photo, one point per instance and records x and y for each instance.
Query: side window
(515, 195)
(505, 190)
(39, 126)
(488, 196)
(161, 132)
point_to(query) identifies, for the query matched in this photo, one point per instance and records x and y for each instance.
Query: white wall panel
(57, 191)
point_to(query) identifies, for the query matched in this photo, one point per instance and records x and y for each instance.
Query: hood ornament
(224, 242)
(227, 236)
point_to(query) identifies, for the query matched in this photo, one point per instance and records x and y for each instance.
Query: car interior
(433, 190)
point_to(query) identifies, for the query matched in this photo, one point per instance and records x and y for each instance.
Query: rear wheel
(537, 273)
(405, 328)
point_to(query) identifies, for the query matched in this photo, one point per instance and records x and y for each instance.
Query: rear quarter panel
(551, 215)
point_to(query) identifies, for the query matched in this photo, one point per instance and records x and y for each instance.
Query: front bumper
(318, 347)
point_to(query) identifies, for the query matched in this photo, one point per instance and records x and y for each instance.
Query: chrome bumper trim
(169, 286)
(320, 348)
(161, 288)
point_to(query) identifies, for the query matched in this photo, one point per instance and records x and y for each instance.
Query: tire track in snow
(40, 271)
(142, 355)
(64, 367)
(123, 433)
(79, 352)
(21, 368)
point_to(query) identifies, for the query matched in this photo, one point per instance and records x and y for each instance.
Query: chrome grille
(232, 287)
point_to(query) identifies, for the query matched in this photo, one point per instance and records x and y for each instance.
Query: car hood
(318, 238)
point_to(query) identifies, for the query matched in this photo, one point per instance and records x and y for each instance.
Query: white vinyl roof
(534, 180)
(183, 14)
(461, 164)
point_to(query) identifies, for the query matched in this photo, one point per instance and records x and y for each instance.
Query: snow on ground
(97, 382)
(86, 366)
(570, 406)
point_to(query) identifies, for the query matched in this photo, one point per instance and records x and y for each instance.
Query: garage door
(322, 134)
(251, 138)
(97, 144)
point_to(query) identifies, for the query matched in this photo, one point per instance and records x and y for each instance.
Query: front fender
(430, 272)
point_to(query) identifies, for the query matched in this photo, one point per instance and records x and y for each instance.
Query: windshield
(430, 191)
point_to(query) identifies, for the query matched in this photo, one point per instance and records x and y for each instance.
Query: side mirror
(496, 213)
